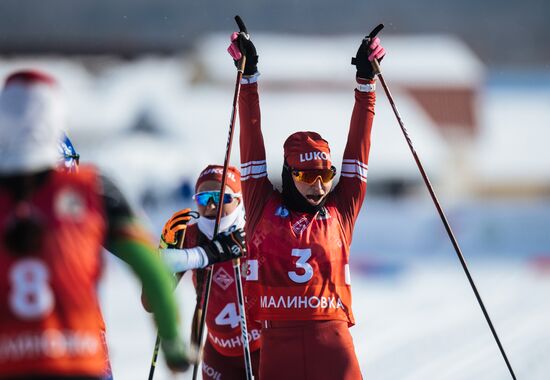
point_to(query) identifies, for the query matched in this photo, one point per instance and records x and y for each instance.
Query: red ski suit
(50, 321)
(223, 352)
(299, 263)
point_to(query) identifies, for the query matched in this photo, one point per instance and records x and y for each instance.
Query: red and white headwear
(32, 119)
(307, 151)
(214, 173)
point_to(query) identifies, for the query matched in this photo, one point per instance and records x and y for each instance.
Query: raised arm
(255, 184)
(350, 191)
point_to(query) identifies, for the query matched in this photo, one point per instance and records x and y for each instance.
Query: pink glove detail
(377, 50)
(233, 49)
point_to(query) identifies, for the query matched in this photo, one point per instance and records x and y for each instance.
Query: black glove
(247, 48)
(226, 246)
(361, 60)
(176, 356)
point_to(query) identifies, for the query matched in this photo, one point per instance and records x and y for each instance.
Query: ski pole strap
(250, 79)
(367, 87)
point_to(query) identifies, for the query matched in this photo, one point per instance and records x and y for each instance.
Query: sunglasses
(205, 197)
(310, 176)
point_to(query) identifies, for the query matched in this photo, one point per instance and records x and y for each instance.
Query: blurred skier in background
(223, 351)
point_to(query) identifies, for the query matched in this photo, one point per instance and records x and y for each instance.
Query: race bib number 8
(306, 270)
(31, 297)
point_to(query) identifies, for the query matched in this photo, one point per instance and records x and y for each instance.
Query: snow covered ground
(421, 324)
(417, 317)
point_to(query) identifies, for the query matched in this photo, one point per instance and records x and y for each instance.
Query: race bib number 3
(252, 270)
(305, 271)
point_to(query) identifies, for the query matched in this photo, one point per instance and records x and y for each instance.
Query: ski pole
(179, 276)
(236, 262)
(155, 356)
(454, 242)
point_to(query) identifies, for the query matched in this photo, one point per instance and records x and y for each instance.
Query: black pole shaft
(155, 356)
(238, 279)
(244, 327)
(443, 217)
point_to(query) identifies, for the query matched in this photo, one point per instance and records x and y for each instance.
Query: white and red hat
(307, 151)
(214, 173)
(32, 118)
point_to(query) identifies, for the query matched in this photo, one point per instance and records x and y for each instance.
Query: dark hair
(24, 233)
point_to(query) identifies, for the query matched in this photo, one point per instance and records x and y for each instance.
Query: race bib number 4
(228, 316)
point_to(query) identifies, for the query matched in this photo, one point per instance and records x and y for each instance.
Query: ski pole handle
(244, 33)
(240, 24)
(368, 39)
(376, 67)
(375, 31)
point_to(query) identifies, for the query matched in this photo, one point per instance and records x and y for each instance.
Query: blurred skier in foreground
(53, 225)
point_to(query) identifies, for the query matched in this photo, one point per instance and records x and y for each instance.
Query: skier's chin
(314, 199)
